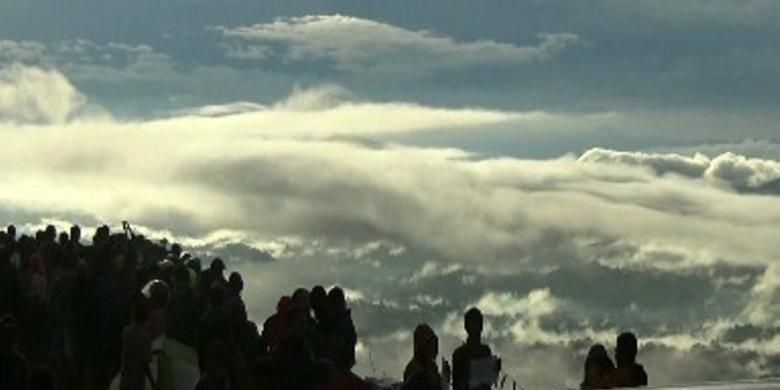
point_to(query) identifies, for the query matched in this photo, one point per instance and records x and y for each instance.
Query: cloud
(35, 95)
(361, 45)
(659, 163)
(763, 308)
(753, 148)
(742, 172)
(536, 304)
(21, 51)
(280, 164)
(560, 253)
(737, 171)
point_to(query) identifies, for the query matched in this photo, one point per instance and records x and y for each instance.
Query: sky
(573, 168)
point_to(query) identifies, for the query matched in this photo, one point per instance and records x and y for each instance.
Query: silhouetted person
(64, 239)
(247, 337)
(472, 349)
(218, 373)
(301, 297)
(176, 252)
(157, 294)
(628, 373)
(182, 312)
(318, 299)
(11, 232)
(74, 246)
(136, 348)
(343, 337)
(599, 369)
(9, 239)
(235, 284)
(421, 372)
(213, 274)
(276, 327)
(51, 233)
(284, 339)
(75, 234)
(235, 304)
(13, 369)
(214, 325)
(85, 324)
(217, 268)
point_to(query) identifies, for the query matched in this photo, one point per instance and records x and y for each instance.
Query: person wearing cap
(13, 369)
(421, 372)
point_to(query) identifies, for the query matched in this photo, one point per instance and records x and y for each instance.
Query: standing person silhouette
(421, 372)
(598, 369)
(473, 349)
(628, 373)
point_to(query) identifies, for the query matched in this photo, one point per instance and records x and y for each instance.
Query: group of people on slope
(73, 315)
(307, 344)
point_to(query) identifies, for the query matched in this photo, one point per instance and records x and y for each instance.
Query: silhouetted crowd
(129, 313)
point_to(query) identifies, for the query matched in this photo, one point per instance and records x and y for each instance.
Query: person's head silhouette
(426, 343)
(337, 299)
(11, 231)
(235, 283)
(176, 250)
(318, 298)
(51, 233)
(626, 350)
(64, 238)
(217, 266)
(598, 361)
(302, 300)
(473, 323)
(194, 264)
(75, 234)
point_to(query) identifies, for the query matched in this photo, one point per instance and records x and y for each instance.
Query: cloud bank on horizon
(568, 185)
(310, 179)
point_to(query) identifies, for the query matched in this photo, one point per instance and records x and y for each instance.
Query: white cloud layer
(362, 45)
(281, 162)
(29, 94)
(573, 249)
(729, 168)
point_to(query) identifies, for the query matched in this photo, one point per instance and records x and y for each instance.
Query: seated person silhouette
(422, 373)
(598, 369)
(628, 373)
(472, 350)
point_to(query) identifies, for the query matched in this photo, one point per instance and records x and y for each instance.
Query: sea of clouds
(678, 246)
